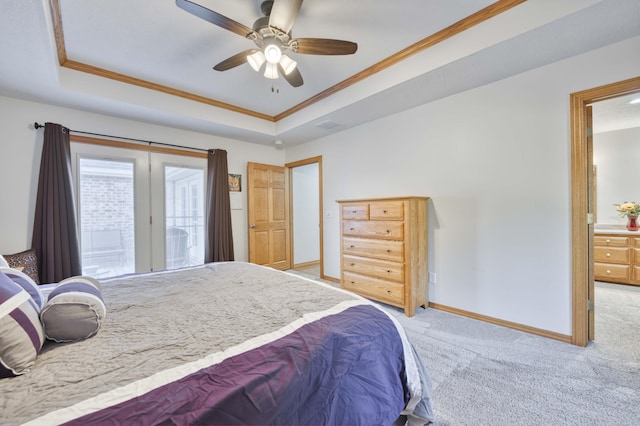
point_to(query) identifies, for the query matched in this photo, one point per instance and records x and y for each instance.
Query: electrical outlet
(432, 277)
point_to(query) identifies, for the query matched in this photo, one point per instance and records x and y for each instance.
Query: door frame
(580, 253)
(290, 167)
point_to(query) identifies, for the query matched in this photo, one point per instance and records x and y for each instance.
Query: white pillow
(3, 262)
(75, 310)
(21, 336)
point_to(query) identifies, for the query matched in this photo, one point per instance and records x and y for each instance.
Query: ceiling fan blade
(323, 46)
(294, 77)
(214, 17)
(283, 14)
(234, 61)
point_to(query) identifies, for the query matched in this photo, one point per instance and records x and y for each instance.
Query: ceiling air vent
(328, 124)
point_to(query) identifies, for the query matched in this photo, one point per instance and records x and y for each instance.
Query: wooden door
(268, 215)
(591, 194)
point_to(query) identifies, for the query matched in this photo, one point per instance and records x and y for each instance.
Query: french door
(138, 211)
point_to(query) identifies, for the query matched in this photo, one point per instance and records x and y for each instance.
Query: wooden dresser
(384, 250)
(617, 258)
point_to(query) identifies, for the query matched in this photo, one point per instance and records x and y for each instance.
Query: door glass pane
(107, 231)
(184, 216)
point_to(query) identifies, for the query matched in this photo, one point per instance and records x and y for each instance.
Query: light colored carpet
(484, 374)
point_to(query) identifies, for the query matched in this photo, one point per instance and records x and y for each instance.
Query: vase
(632, 223)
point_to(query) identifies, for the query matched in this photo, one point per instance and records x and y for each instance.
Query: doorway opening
(305, 200)
(581, 215)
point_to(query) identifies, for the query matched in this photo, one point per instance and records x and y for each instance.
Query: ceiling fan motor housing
(266, 7)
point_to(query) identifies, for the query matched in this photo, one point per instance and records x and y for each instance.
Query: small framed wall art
(235, 183)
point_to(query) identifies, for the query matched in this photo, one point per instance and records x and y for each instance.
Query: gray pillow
(21, 336)
(74, 311)
(24, 281)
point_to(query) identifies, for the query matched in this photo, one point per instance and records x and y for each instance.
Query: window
(138, 211)
(107, 229)
(184, 225)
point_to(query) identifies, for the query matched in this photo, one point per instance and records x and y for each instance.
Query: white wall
(306, 221)
(617, 156)
(21, 146)
(496, 162)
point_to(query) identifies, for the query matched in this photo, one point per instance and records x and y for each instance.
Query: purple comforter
(346, 368)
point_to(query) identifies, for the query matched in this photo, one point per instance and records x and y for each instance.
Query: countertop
(614, 229)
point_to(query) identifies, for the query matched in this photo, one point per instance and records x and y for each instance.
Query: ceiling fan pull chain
(274, 88)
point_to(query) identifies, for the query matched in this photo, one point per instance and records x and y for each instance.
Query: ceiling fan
(272, 37)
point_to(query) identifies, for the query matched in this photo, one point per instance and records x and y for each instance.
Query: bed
(226, 343)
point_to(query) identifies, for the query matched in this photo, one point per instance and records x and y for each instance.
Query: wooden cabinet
(384, 250)
(617, 258)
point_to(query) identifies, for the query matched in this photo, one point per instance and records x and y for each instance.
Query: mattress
(226, 343)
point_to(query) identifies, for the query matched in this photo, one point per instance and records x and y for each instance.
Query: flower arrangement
(628, 208)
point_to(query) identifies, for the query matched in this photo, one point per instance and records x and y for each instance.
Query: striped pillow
(25, 281)
(74, 311)
(21, 336)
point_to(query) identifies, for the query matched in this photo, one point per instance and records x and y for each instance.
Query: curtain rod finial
(37, 125)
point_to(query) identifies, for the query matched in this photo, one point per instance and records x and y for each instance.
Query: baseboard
(503, 323)
(332, 279)
(491, 320)
(312, 264)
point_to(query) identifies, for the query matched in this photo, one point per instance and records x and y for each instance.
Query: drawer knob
(384, 211)
(354, 211)
(353, 282)
(352, 229)
(388, 232)
(608, 254)
(388, 271)
(608, 240)
(388, 251)
(608, 271)
(353, 264)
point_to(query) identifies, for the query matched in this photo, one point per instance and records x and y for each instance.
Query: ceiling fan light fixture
(272, 53)
(256, 60)
(271, 71)
(287, 64)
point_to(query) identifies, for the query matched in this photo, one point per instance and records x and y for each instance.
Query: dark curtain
(55, 234)
(219, 244)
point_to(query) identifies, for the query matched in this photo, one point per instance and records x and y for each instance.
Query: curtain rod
(37, 126)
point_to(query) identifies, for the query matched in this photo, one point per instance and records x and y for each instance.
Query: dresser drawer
(355, 211)
(611, 255)
(379, 249)
(606, 272)
(636, 242)
(636, 274)
(609, 241)
(384, 291)
(376, 268)
(387, 210)
(374, 229)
